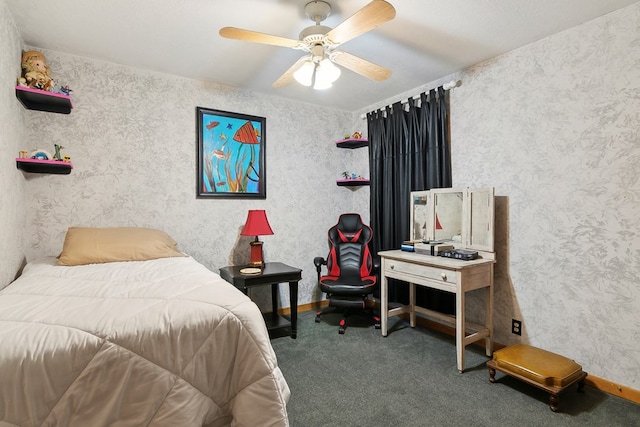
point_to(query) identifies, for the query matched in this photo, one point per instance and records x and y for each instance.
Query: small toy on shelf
(40, 154)
(64, 89)
(355, 135)
(57, 155)
(352, 176)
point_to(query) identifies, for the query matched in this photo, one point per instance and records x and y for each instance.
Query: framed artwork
(231, 155)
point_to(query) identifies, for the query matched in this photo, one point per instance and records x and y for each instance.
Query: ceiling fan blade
(255, 37)
(366, 19)
(287, 77)
(360, 66)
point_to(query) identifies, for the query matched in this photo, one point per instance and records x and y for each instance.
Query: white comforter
(161, 343)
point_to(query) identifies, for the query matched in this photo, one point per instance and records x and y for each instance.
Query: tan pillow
(87, 245)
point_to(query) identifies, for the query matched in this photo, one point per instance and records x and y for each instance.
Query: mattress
(164, 342)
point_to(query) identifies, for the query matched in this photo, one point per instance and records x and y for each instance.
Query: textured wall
(552, 126)
(132, 139)
(13, 225)
(555, 127)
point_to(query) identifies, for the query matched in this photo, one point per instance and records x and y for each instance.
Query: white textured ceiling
(427, 40)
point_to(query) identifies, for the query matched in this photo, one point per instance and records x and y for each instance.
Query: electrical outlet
(516, 327)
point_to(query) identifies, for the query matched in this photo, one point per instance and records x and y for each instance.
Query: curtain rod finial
(451, 84)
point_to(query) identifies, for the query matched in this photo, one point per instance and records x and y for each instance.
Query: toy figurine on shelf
(349, 176)
(39, 154)
(57, 155)
(355, 135)
(65, 90)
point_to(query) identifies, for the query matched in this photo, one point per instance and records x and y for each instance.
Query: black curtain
(408, 151)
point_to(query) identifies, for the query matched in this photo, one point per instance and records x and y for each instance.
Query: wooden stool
(540, 368)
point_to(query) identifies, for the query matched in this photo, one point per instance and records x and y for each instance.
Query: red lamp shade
(257, 224)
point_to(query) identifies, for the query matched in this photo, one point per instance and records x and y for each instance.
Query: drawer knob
(444, 276)
(392, 266)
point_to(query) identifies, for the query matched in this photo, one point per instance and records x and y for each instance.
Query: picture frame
(231, 160)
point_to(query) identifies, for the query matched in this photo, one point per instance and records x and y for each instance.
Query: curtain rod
(447, 86)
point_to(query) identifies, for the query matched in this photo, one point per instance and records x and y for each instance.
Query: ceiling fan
(320, 42)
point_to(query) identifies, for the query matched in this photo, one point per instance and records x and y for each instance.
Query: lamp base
(256, 259)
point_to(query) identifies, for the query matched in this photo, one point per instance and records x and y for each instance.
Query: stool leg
(492, 375)
(581, 386)
(554, 401)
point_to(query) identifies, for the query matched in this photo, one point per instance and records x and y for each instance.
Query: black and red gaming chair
(350, 277)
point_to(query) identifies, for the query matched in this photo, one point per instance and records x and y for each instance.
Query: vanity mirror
(463, 217)
(449, 224)
(481, 219)
(420, 205)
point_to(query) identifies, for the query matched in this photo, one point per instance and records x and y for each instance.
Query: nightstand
(273, 273)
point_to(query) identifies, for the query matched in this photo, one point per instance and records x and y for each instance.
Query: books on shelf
(408, 245)
(431, 248)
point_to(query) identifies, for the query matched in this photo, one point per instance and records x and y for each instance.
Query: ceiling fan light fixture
(304, 74)
(321, 84)
(328, 70)
(326, 74)
(320, 75)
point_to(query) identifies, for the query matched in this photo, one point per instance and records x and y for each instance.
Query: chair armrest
(376, 264)
(319, 262)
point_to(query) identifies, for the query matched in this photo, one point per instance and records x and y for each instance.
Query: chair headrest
(350, 222)
(350, 229)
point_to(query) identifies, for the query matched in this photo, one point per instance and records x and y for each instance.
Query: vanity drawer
(422, 271)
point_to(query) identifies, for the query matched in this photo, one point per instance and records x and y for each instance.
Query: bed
(160, 342)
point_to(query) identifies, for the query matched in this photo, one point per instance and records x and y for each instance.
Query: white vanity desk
(446, 274)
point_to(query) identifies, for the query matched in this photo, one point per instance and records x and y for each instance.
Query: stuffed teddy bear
(35, 72)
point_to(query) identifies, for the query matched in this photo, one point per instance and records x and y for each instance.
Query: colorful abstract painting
(231, 155)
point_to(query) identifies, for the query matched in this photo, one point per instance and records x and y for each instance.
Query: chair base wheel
(342, 325)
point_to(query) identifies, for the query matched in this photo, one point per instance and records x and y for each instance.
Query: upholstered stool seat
(548, 371)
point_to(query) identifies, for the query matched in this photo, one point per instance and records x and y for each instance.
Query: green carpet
(409, 378)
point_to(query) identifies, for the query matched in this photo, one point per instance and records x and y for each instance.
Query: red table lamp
(256, 225)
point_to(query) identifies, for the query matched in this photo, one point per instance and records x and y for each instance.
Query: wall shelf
(40, 100)
(352, 143)
(352, 182)
(44, 166)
